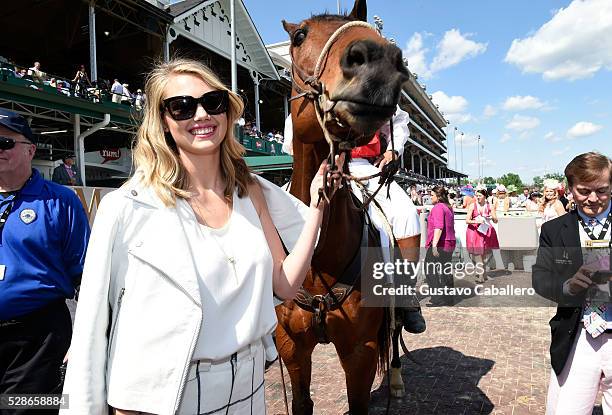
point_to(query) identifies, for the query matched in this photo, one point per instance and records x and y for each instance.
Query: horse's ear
(360, 11)
(289, 27)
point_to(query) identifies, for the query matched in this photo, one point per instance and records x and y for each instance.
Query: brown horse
(354, 83)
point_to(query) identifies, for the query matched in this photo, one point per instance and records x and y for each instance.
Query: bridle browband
(313, 89)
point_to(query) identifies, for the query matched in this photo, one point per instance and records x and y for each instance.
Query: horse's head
(360, 72)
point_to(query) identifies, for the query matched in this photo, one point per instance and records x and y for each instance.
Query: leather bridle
(313, 89)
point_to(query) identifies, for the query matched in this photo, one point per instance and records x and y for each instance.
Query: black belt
(34, 315)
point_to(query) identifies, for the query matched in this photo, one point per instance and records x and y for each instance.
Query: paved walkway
(472, 360)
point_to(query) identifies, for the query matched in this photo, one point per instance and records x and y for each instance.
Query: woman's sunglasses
(7, 143)
(184, 107)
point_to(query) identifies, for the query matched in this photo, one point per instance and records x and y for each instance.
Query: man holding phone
(581, 346)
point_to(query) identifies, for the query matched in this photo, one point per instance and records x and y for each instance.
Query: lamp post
(455, 142)
(478, 158)
(461, 151)
(338, 6)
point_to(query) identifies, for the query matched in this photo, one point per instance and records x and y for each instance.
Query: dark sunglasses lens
(215, 102)
(6, 143)
(181, 108)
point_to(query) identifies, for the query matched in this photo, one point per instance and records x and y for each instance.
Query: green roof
(269, 163)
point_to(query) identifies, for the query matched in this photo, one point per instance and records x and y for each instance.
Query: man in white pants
(573, 269)
(398, 207)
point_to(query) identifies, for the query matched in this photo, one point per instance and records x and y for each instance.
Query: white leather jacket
(139, 310)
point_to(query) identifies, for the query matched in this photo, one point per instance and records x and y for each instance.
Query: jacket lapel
(163, 244)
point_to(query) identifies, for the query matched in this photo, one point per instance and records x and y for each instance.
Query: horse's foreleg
(360, 370)
(396, 384)
(299, 366)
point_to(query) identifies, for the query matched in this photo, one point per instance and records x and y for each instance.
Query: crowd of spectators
(78, 86)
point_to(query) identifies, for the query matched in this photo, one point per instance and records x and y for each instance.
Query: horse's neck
(341, 231)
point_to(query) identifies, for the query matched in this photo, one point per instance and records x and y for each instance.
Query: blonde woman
(501, 201)
(551, 207)
(184, 259)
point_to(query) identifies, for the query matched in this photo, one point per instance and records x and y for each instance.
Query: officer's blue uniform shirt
(42, 246)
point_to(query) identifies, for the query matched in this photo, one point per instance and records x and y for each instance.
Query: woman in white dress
(183, 262)
(551, 206)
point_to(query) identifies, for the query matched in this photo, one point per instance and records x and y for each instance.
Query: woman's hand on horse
(334, 177)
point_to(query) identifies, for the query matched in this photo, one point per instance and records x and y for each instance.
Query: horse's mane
(329, 17)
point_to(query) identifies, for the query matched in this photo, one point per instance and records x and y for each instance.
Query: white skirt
(230, 386)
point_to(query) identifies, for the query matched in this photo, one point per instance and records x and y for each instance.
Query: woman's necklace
(229, 258)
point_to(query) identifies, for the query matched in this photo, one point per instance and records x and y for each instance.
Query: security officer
(44, 232)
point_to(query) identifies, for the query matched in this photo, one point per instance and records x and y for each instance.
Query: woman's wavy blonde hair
(155, 156)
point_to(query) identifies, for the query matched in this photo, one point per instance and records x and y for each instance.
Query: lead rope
(280, 363)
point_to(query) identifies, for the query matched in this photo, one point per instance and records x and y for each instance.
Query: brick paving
(471, 360)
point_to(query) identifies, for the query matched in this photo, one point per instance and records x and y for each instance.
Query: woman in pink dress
(481, 238)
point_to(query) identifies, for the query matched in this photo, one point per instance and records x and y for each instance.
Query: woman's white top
(234, 268)
(549, 213)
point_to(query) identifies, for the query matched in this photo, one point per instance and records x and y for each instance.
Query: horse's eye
(298, 37)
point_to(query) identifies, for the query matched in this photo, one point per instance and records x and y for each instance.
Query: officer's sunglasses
(7, 143)
(184, 107)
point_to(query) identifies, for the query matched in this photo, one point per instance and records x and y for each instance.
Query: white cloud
(520, 103)
(454, 107)
(583, 129)
(505, 138)
(489, 111)
(561, 151)
(415, 53)
(522, 123)
(575, 43)
(454, 48)
(552, 137)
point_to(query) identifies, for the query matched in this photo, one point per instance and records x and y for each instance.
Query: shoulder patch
(27, 216)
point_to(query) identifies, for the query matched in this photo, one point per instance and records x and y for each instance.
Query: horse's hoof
(397, 391)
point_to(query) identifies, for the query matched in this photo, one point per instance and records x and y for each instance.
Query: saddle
(321, 304)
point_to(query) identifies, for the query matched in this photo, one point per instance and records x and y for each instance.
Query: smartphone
(601, 277)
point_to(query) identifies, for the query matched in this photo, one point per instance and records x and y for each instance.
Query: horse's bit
(315, 90)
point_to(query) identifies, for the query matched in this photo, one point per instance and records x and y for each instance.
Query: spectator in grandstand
(126, 98)
(481, 238)
(36, 74)
(440, 245)
(139, 100)
(551, 206)
(67, 173)
(44, 236)
(117, 91)
(80, 82)
(179, 278)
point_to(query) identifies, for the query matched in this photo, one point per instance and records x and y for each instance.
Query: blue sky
(532, 78)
